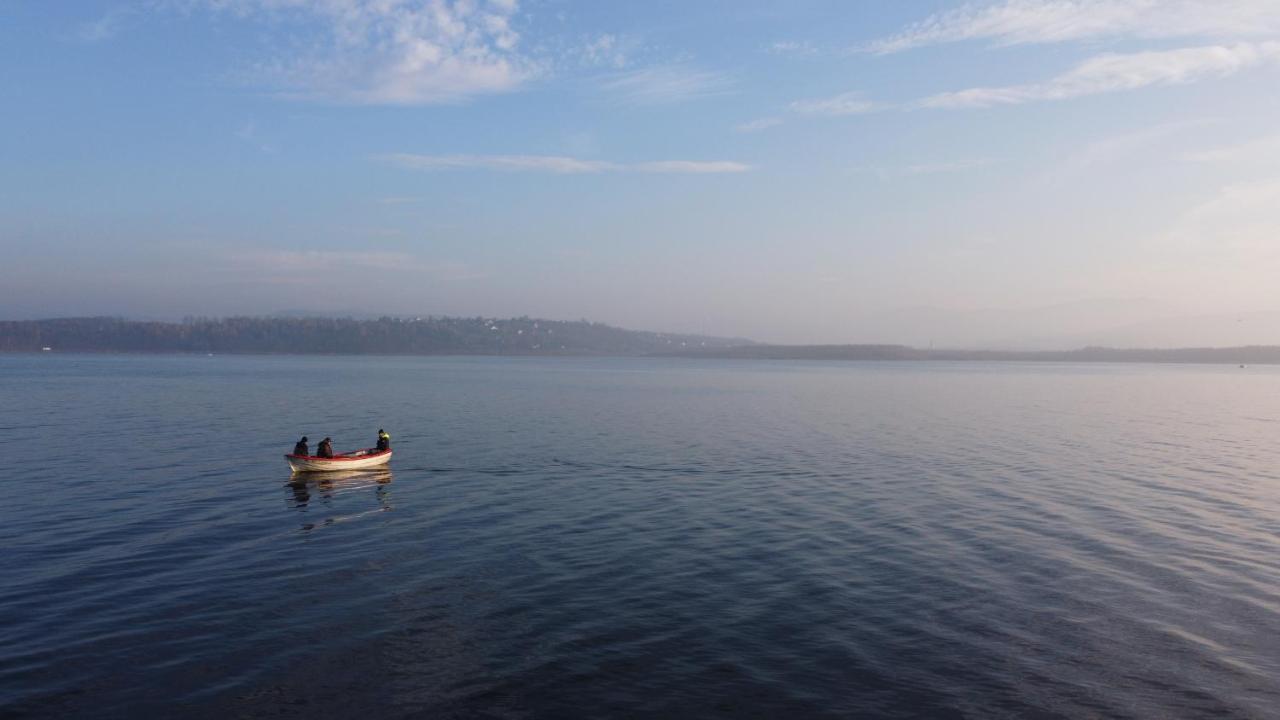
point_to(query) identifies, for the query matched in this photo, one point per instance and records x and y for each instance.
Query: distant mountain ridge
(345, 336)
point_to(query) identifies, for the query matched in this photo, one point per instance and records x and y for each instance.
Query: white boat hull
(359, 460)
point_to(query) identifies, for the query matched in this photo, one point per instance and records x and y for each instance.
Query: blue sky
(803, 172)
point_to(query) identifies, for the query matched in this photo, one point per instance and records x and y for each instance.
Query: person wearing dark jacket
(325, 449)
(301, 447)
(384, 440)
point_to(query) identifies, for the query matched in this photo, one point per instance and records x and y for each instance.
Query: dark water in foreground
(633, 538)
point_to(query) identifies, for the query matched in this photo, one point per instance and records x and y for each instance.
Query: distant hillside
(515, 336)
(384, 336)
(1255, 354)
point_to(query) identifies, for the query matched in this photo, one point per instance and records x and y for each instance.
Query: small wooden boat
(358, 460)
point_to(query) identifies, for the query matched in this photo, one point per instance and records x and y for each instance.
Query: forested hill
(384, 336)
(516, 336)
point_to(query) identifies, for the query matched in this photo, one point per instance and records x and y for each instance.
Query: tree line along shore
(343, 336)
(436, 335)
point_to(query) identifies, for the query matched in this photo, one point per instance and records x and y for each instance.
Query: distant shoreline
(1246, 355)
(429, 335)
(943, 358)
(1243, 355)
(517, 337)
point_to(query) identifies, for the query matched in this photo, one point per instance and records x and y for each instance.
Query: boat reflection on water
(340, 491)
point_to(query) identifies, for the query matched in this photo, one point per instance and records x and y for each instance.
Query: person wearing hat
(301, 447)
(384, 440)
(324, 449)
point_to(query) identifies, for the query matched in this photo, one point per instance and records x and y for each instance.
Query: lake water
(639, 538)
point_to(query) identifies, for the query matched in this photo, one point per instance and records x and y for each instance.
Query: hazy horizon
(1007, 174)
(1134, 325)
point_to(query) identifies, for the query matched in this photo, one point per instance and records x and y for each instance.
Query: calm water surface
(639, 538)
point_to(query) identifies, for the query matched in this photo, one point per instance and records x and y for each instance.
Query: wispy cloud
(1128, 148)
(1239, 218)
(691, 167)
(314, 267)
(844, 104)
(838, 105)
(557, 164)
(1015, 22)
(758, 124)
(666, 84)
(936, 168)
(390, 52)
(604, 50)
(930, 168)
(791, 47)
(1106, 73)
(248, 133)
(303, 261)
(1241, 199)
(1116, 72)
(1258, 150)
(542, 163)
(105, 27)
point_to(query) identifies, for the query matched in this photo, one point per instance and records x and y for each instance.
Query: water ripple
(641, 539)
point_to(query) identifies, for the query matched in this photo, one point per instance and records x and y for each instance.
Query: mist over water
(639, 537)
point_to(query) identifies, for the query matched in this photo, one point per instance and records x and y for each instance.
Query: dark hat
(304, 439)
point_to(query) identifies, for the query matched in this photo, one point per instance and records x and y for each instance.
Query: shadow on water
(329, 493)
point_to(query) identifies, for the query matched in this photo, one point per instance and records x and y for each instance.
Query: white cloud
(843, 104)
(665, 84)
(558, 164)
(1115, 72)
(393, 52)
(1015, 22)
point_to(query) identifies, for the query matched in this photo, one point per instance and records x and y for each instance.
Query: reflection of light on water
(309, 492)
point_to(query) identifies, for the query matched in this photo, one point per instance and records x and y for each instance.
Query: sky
(995, 173)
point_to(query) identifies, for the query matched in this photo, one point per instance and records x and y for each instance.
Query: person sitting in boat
(384, 440)
(325, 449)
(301, 447)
